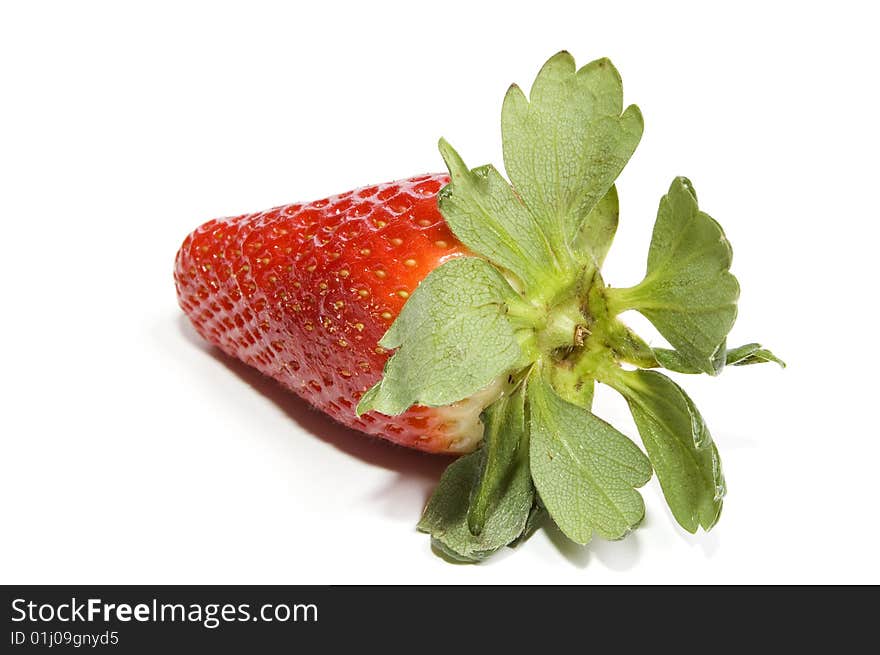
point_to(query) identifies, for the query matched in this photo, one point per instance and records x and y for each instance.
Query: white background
(132, 453)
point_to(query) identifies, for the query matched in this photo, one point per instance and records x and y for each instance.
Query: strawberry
(468, 314)
(305, 291)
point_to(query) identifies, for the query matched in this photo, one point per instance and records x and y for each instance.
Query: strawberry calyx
(531, 316)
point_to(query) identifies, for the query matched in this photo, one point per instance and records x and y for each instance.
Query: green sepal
(571, 386)
(538, 516)
(504, 462)
(534, 297)
(566, 144)
(629, 346)
(751, 353)
(679, 445)
(585, 471)
(688, 292)
(483, 211)
(719, 359)
(446, 515)
(453, 338)
(599, 228)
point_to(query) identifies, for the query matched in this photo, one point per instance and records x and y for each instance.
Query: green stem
(597, 363)
(621, 300)
(575, 388)
(562, 326)
(525, 314)
(528, 344)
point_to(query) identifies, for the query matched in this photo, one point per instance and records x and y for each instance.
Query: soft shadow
(372, 450)
(708, 542)
(418, 472)
(576, 554)
(620, 555)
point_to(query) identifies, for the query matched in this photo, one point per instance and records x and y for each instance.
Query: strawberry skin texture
(304, 292)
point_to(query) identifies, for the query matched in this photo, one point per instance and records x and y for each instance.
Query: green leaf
(484, 500)
(584, 470)
(688, 292)
(629, 346)
(452, 339)
(679, 445)
(537, 517)
(566, 144)
(571, 386)
(446, 516)
(485, 214)
(751, 353)
(505, 457)
(719, 359)
(599, 229)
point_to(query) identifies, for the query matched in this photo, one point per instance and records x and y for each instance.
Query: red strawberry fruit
(468, 314)
(304, 292)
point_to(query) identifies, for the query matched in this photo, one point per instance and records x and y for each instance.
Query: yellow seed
(386, 315)
(363, 293)
(381, 274)
(333, 256)
(345, 373)
(343, 343)
(409, 262)
(338, 304)
(359, 327)
(265, 260)
(309, 327)
(343, 272)
(424, 222)
(379, 350)
(403, 294)
(381, 223)
(273, 279)
(297, 284)
(245, 268)
(396, 241)
(364, 365)
(365, 251)
(441, 244)
(310, 269)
